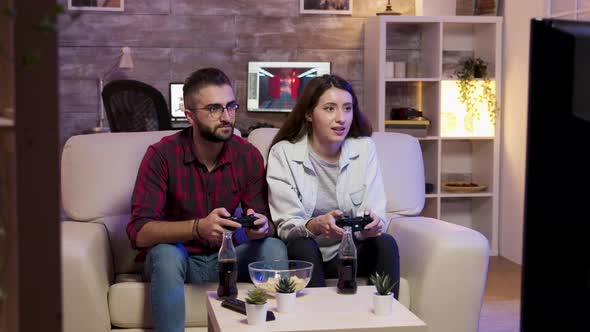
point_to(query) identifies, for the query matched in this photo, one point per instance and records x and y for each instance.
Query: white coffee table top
(319, 309)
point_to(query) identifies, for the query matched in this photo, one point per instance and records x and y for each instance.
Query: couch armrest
(87, 273)
(446, 267)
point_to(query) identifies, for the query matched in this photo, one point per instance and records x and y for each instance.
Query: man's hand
(262, 231)
(326, 225)
(375, 228)
(211, 228)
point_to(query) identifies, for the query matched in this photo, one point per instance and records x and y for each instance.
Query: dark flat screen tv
(556, 234)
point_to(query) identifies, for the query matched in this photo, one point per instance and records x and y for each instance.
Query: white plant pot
(382, 304)
(256, 313)
(285, 302)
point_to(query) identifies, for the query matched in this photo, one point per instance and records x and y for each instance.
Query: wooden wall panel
(120, 29)
(271, 8)
(169, 39)
(147, 7)
(346, 63)
(331, 32)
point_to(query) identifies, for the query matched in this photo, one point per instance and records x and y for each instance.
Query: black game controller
(356, 223)
(245, 221)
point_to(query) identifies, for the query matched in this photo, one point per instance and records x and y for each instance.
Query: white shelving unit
(433, 46)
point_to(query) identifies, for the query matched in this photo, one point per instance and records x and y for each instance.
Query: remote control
(245, 221)
(356, 223)
(240, 306)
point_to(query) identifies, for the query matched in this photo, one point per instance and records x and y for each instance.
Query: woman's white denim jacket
(293, 187)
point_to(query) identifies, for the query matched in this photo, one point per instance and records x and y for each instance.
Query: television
(177, 116)
(556, 233)
(276, 86)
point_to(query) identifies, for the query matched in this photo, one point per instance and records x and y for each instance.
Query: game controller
(245, 221)
(356, 223)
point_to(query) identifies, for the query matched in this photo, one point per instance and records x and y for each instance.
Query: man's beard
(212, 136)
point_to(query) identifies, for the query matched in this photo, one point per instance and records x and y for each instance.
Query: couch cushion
(129, 301)
(261, 139)
(98, 172)
(402, 167)
(123, 254)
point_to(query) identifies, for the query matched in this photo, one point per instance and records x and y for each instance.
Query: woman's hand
(375, 228)
(326, 225)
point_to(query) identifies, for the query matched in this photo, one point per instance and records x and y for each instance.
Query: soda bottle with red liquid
(347, 263)
(228, 268)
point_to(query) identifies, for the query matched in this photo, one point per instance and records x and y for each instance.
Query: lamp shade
(126, 61)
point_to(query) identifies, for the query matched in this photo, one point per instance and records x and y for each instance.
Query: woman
(323, 164)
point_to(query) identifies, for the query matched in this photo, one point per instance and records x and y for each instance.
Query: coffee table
(318, 309)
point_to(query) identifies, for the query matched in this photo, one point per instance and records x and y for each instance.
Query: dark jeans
(374, 254)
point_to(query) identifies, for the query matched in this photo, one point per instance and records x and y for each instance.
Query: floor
(501, 308)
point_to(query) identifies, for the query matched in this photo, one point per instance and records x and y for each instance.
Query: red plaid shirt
(173, 185)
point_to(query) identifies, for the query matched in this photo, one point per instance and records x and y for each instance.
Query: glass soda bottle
(347, 263)
(228, 268)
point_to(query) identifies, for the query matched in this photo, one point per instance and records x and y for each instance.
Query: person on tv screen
(187, 186)
(323, 163)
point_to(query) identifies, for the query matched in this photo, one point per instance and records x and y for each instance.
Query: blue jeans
(168, 267)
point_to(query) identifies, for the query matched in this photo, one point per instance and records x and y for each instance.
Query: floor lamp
(124, 61)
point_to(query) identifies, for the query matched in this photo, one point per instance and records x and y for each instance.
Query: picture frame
(97, 5)
(338, 7)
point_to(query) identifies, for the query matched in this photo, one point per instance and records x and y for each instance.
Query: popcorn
(271, 283)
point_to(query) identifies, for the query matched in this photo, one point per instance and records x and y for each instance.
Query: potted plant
(285, 294)
(383, 298)
(256, 306)
(472, 70)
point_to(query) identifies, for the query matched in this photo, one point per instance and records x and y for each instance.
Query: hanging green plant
(470, 71)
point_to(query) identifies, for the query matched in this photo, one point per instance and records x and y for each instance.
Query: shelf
(416, 44)
(468, 160)
(478, 194)
(472, 212)
(472, 138)
(469, 39)
(413, 79)
(423, 96)
(430, 209)
(430, 157)
(432, 48)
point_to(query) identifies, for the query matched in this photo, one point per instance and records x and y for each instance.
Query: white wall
(517, 15)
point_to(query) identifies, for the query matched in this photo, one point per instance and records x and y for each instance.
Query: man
(187, 186)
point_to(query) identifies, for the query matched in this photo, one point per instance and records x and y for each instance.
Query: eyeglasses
(216, 110)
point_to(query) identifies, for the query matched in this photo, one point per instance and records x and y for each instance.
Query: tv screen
(556, 234)
(276, 86)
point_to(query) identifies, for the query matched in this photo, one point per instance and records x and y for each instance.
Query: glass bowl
(266, 274)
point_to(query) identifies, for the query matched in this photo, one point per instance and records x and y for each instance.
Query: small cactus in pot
(383, 283)
(256, 306)
(383, 298)
(285, 294)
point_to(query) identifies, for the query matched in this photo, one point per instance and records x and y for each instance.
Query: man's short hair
(203, 77)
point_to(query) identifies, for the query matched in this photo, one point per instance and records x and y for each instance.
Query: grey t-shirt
(327, 174)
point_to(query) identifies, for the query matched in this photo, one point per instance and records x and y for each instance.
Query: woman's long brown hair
(296, 126)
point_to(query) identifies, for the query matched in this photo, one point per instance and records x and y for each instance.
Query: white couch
(443, 266)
